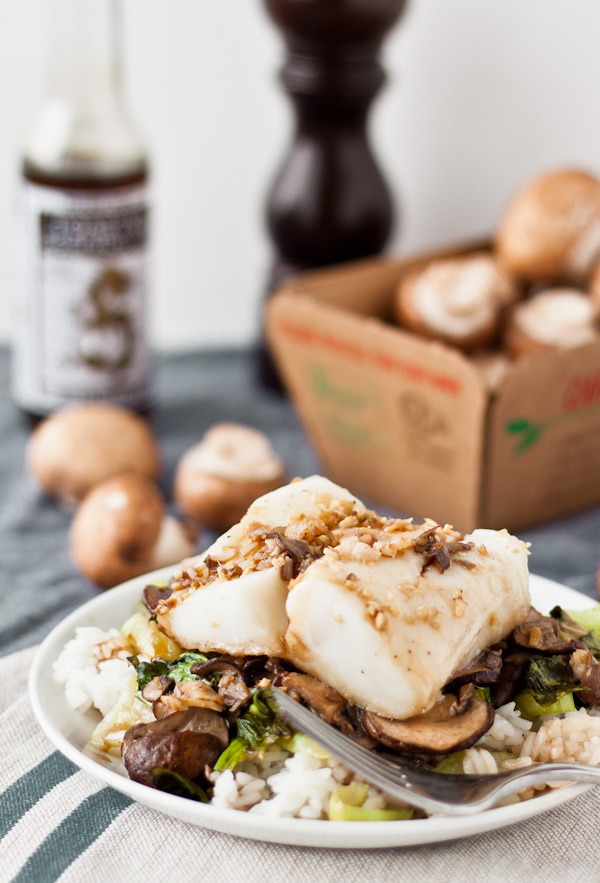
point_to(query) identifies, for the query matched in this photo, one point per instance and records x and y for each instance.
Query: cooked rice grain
(575, 737)
(508, 731)
(479, 761)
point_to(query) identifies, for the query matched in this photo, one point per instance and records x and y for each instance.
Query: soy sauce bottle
(81, 313)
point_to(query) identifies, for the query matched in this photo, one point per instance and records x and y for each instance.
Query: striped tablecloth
(57, 823)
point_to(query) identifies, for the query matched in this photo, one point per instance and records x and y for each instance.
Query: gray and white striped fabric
(57, 823)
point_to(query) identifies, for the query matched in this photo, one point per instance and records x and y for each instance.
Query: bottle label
(81, 331)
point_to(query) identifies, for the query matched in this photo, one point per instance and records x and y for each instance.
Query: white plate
(70, 730)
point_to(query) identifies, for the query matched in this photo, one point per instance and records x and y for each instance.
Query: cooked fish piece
(232, 598)
(389, 633)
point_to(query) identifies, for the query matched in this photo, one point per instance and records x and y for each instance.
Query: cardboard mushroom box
(414, 424)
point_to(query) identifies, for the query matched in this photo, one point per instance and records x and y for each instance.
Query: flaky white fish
(387, 630)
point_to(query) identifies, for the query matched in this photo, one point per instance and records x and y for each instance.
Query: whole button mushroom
(217, 479)
(458, 300)
(550, 231)
(120, 530)
(81, 446)
(558, 318)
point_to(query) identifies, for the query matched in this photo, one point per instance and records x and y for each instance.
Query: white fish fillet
(387, 639)
(390, 639)
(247, 615)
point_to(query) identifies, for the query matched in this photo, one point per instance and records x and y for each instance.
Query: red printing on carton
(581, 391)
(385, 361)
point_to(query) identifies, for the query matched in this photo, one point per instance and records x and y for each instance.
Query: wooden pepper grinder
(329, 202)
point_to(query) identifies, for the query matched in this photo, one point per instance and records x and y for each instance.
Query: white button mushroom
(83, 445)
(459, 300)
(558, 318)
(120, 530)
(218, 479)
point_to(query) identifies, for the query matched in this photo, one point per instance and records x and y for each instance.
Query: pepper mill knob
(329, 202)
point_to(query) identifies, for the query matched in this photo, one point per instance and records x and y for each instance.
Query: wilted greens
(580, 625)
(178, 669)
(174, 783)
(255, 730)
(548, 677)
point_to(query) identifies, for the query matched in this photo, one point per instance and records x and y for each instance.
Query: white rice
(479, 760)
(298, 786)
(572, 737)
(508, 731)
(90, 678)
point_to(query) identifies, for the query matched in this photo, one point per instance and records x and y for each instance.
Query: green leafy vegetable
(146, 671)
(346, 805)
(484, 693)
(255, 730)
(233, 754)
(548, 677)
(530, 709)
(174, 783)
(580, 625)
(303, 743)
(588, 619)
(178, 669)
(451, 765)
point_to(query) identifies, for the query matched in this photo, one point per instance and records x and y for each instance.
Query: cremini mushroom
(550, 231)
(81, 446)
(121, 530)
(559, 318)
(218, 479)
(459, 300)
(450, 725)
(324, 700)
(185, 743)
(232, 686)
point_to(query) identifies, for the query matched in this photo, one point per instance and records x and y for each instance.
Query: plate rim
(301, 832)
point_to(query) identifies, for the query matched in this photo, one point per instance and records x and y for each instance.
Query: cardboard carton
(411, 423)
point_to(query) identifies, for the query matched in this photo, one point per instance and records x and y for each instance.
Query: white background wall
(481, 96)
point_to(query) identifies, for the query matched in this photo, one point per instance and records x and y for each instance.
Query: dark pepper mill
(329, 202)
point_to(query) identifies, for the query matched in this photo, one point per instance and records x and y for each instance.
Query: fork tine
(377, 770)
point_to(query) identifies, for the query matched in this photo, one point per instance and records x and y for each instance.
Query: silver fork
(432, 792)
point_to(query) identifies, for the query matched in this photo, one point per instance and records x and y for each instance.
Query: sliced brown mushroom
(153, 595)
(485, 669)
(186, 743)
(277, 669)
(323, 700)
(450, 725)
(511, 677)
(295, 554)
(436, 549)
(542, 634)
(234, 691)
(232, 687)
(217, 665)
(155, 688)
